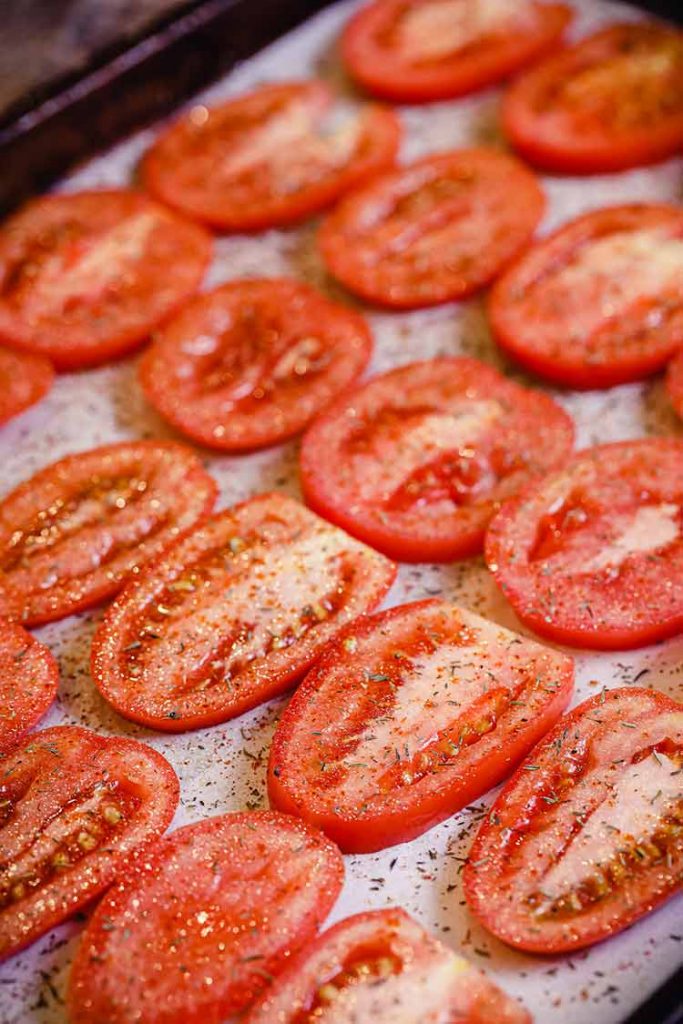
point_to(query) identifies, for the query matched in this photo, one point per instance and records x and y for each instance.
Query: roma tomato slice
(233, 615)
(614, 100)
(383, 967)
(85, 277)
(415, 51)
(674, 383)
(599, 302)
(592, 556)
(71, 535)
(251, 363)
(195, 930)
(586, 836)
(418, 459)
(271, 157)
(433, 231)
(73, 806)
(28, 683)
(407, 718)
(24, 380)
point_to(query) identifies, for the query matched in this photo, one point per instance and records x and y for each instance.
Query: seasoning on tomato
(674, 382)
(24, 380)
(196, 929)
(251, 363)
(73, 807)
(87, 276)
(416, 51)
(611, 101)
(417, 460)
(585, 838)
(71, 534)
(28, 683)
(271, 157)
(592, 555)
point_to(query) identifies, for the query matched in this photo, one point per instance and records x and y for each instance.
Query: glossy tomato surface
(611, 101)
(71, 534)
(592, 555)
(416, 461)
(674, 383)
(192, 932)
(270, 157)
(86, 276)
(73, 806)
(586, 836)
(24, 380)
(408, 717)
(252, 362)
(28, 683)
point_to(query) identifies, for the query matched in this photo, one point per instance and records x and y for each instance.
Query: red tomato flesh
(28, 683)
(24, 380)
(674, 383)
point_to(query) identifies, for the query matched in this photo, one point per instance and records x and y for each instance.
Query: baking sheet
(223, 768)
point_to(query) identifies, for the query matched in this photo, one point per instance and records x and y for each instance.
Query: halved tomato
(587, 836)
(73, 533)
(271, 157)
(418, 459)
(28, 683)
(24, 380)
(251, 363)
(73, 806)
(85, 277)
(433, 231)
(192, 932)
(592, 555)
(674, 382)
(613, 100)
(409, 716)
(233, 615)
(415, 51)
(599, 302)
(383, 967)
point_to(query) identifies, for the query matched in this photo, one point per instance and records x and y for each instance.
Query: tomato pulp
(28, 683)
(24, 380)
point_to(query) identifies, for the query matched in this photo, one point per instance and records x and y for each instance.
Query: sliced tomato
(233, 615)
(383, 967)
(674, 382)
(418, 459)
(586, 836)
(613, 100)
(193, 932)
(599, 302)
(24, 380)
(415, 51)
(251, 363)
(73, 806)
(433, 231)
(71, 534)
(592, 556)
(271, 157)
(28, 683)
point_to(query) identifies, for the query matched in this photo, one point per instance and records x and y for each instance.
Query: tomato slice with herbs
(195, 930)
(599, 302)
(382, 966)
(73, 806)
(86, 276)
(417, 460)
(408, 717)
(233, 615)
(592, 555)
(416, 51)
(587, 836)
(434, 231)
(24, 380)
(271, 157)
(611, 101)
(28, 683)
(73, 533)
(674, 382)
(251, 363)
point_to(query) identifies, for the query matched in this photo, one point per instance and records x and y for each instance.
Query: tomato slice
(599, 302)
(193, 932)
(73, 806)
(24, 380)
(674, 383)
(233, 615)
(613, 100)
(383, 967)
(85, 277)
(415, 51)
(71, 534)
(418, 459)
(271, 157)
(28, 683)
(586, 836)
(592, 556)
(251, 363)
(433, 231)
